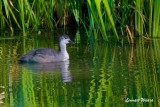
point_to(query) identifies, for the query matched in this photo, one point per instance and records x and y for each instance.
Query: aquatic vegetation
(108, 17)
(102, 74)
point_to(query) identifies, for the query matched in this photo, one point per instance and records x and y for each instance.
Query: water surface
(100, 74)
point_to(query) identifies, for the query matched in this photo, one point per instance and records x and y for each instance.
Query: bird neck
(63, 52)
(62, 48)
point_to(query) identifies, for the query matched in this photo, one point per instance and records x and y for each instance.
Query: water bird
(47, 55)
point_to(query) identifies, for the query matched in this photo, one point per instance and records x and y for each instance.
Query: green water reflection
(100, 75)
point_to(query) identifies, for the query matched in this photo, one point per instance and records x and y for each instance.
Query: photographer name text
(127, 100)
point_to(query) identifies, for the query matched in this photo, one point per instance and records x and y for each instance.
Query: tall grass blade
(110, 17)
(21, 7)
(98, 5)
(96, 18)
(76, 10)
(150, 16)
(14, 17)
(138, 18)
(156, 18)
(6, 7)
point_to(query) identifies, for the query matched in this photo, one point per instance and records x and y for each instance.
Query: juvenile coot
(44, 55)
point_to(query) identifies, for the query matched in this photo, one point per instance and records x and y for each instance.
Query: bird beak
(70, 41)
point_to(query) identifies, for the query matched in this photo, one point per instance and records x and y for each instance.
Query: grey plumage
(44, 55)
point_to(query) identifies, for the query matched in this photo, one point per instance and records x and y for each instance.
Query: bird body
(44, 55)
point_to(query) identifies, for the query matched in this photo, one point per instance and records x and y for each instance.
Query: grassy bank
(98, 17)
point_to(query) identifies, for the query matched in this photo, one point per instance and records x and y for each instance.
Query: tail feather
(23, 59)
(27, 57)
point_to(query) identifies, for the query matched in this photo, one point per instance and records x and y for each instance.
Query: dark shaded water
(100, 74)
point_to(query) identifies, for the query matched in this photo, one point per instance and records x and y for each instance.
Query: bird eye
(66, 37)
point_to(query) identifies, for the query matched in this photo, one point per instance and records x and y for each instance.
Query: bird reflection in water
(51, 67)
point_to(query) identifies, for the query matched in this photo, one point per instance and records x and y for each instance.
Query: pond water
(97, 75)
